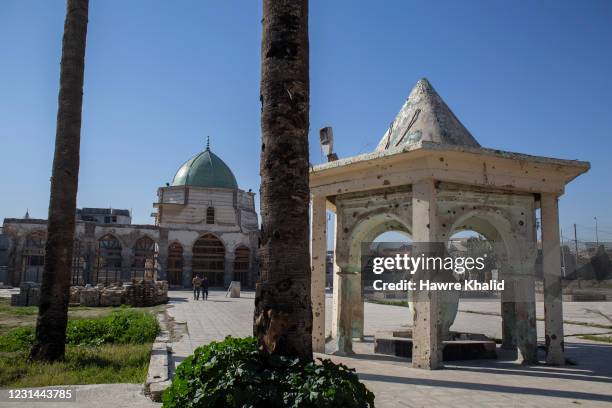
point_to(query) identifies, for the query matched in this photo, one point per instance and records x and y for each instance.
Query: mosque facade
(204, 224)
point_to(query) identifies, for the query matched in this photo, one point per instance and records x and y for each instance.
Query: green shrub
(120, 327)
(17, 339)
(233, 373)
(123, 326)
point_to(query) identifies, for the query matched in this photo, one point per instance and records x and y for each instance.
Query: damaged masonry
(430, 178)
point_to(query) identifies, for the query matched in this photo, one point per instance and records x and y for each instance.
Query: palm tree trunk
(283, 314)
(55, 289)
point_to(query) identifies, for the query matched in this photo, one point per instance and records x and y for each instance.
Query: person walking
(197, 287)
(205, 288)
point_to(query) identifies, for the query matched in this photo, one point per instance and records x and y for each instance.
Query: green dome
(205, 169)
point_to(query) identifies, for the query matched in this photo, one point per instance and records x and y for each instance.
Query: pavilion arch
(369, 226)
(493, 225)
(367, 229)
(209, 259)
(496, 227)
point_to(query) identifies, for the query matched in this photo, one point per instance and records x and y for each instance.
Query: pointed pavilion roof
(425, 117)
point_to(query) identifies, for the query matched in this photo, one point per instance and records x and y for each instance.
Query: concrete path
(91, 396)
(397, 384)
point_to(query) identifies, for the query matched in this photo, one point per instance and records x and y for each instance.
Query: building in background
(204, 224)
(104, 215)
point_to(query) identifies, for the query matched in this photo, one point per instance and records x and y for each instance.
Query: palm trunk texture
(55, 290)
(283, 314)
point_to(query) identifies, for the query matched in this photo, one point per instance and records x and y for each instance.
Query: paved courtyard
(396, 384)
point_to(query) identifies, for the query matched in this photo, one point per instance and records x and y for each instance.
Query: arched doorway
(108, 260)
(372, 233)
(175, 264)
(480, 232)
(241, 265)
(209, 259)
(144, 258)
(33, 261)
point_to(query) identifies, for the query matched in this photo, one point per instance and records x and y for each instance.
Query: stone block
(393, 346)
(90, 297)
(478, 347)
(75, 294)
(234, 289)
(112, 296)
(144, 293)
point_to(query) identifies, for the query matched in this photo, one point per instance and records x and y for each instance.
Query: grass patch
(12, 317)
(123, 326)
(603, 339)
(111, 348)
(109, 363)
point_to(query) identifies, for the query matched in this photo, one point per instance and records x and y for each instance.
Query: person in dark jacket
(197, 286)
(205, 288)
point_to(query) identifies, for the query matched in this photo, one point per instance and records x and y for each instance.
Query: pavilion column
(335, 282)
(187, 267)
(357, 304)
(427, 332)
(335, 298)
(344, 313)
(344, 279)
(508, 308)
(553, 296)
(318, 248)
(523, 284)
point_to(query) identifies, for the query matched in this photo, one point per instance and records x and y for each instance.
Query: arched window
(144, 257)
(209, 259)
(241, 265)
(175, 264)
(210, 215)
(108, 260)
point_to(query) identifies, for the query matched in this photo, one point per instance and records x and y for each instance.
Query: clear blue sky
(525, 76)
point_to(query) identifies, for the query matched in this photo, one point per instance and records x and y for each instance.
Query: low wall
(138, 294)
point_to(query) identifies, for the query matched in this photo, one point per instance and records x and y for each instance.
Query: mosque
(204, 224)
